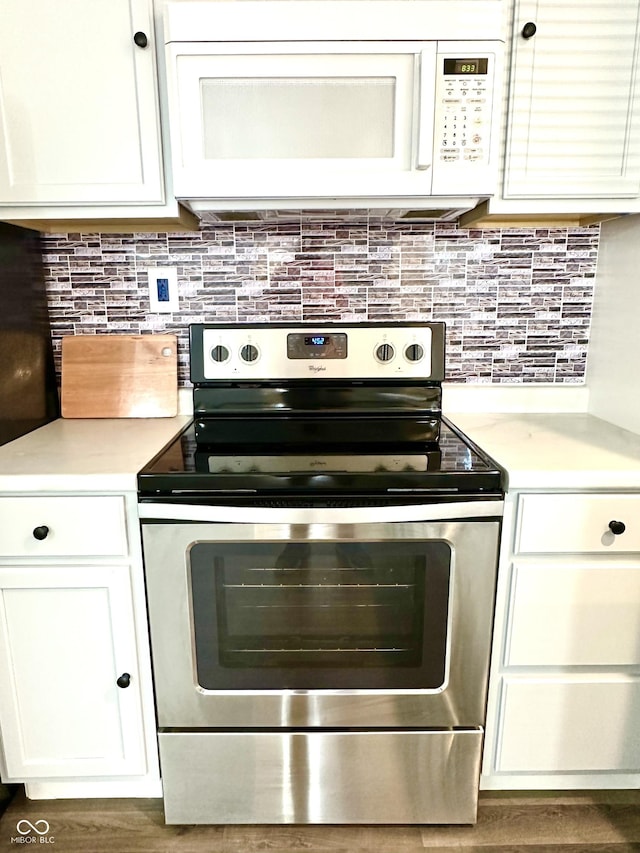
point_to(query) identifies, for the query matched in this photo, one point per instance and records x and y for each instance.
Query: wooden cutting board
(119, 376)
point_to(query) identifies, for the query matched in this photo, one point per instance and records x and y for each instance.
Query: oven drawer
(62, 526)
(574, 523)
(321, 777)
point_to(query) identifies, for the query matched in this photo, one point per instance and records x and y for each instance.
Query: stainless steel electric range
(320, 553)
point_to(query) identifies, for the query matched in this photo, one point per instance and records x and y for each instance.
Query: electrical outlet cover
(163, 290)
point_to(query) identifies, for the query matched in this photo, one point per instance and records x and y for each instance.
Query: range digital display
(318, 345)
(458, 67)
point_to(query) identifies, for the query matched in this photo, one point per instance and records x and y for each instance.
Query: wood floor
(507, 823)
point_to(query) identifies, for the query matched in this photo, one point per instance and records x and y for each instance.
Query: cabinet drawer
(574, 615)
(554, 726)
(577, 523)
(67, 526)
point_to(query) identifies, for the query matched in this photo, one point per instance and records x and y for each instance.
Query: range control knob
(385, 352)
(249, 353)
(414, 352)
(617, 527)
(219, 354)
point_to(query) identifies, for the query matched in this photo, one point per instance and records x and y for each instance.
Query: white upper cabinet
(79, 110)
(573, 126)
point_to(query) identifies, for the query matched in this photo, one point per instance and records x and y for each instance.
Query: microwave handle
(426, 109)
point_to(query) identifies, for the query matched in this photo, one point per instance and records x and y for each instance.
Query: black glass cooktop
(400, 456)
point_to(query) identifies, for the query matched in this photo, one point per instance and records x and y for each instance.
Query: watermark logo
(33, 833)
(24, 827)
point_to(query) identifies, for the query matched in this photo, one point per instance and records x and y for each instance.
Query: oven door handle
(441, 511)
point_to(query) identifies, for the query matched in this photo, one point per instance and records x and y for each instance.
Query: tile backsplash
(517, 303)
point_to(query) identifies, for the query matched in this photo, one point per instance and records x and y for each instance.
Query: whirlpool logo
(33, 833)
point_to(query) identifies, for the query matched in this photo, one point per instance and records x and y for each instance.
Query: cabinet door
(66, 636)
(574, 111)
(78, 103)
(569, 725)
(578, 614)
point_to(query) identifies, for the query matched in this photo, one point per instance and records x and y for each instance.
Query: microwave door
(425, 110)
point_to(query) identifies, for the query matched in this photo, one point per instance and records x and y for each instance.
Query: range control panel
(368, 351)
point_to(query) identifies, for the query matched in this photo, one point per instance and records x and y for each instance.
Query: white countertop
(557, 451)
(566, 451)
(85, 454)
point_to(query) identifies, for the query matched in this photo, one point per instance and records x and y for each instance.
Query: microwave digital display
(459, 67)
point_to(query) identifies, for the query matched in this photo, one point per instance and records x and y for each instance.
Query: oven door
(322, 621)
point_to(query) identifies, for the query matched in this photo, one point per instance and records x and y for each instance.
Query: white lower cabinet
(574, 614)
(67, 640)
(76, 702)
(63, 526)
(557, 724)
(564, 692)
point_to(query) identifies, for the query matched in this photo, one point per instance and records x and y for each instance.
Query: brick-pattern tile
(517, 302)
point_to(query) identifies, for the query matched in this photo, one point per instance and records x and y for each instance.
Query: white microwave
(334, 103)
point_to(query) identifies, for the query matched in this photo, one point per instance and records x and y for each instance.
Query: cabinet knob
(124, 680)
(41, 532)
(141, 39)
(529, 30)
(617, 527)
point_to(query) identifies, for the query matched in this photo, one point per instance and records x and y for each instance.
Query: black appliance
(281, 410)
(28, 390)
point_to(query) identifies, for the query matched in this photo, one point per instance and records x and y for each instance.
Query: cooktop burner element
(308, 410)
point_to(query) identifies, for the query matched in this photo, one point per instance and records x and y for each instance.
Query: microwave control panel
(464, 133)
(466, 118)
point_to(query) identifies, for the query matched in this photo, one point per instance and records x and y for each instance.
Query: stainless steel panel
(321, 777)
(399, 513)
(278, 359)
(461, 703)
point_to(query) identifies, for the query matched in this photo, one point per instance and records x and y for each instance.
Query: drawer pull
(41, 532)
(124, 680)
(141, 39)
(617, 527)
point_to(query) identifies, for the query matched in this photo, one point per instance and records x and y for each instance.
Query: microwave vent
(280, 216)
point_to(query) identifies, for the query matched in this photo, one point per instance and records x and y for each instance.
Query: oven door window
(313, 615)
